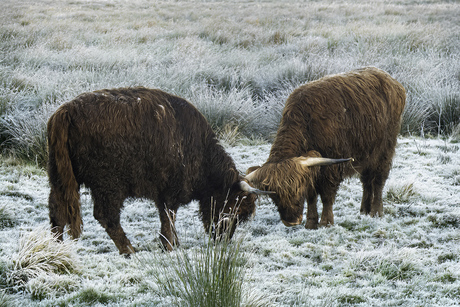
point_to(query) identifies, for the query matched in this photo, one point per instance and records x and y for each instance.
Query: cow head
(290, 180)
(238, 206)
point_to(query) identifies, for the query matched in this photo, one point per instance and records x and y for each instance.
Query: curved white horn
(247, 188)
(250, 176)
(319, 161)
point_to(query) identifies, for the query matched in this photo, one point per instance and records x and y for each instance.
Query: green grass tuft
(92, 296)
(6, 218)
(345, 300)
(445, 220)
(212, 274)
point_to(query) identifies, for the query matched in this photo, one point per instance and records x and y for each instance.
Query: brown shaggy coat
(355, 114)
(138, 142)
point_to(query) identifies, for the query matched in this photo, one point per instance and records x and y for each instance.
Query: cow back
(135, 142)
(355, 114)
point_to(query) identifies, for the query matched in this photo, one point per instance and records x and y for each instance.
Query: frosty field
(410, 257)
(236, 61)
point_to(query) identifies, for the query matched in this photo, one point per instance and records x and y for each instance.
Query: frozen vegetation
(237, 61)
(410, 257)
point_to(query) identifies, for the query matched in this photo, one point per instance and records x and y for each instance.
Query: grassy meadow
(237, 61)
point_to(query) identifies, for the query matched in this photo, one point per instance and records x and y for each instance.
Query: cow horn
(319, 161)
(247, 188)
(250, 176)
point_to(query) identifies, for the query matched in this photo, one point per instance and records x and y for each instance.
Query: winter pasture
(237, 61)
(410, 257)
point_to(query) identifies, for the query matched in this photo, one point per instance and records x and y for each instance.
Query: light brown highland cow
(351, 115)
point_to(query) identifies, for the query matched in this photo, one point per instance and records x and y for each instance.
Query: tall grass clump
(401, 193)
(236, 109)
(24, 134)
(415, 119)
(432, 84)
(212, 274)
(455, 135)
(433, 108)
(447, 111)
(41, 258)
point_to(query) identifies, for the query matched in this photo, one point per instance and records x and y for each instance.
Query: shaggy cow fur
(355, 114)
(138, 142)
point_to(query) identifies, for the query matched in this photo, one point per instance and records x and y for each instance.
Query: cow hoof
(311, 224)
(328, 224)
(376, 214)
(127, 252)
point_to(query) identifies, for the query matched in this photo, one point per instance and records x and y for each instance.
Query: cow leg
(107, 212)
(57, 216)
(368, 192)
(312, 211)
(377, 203)
(328, 197)
(168, 235)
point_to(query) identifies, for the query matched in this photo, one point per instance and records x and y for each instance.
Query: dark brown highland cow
(138, 142)
(355, 114)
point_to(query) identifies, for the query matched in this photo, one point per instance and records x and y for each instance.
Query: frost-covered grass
(410, 257)
(236, 61)
(42, 264)
(210, 274)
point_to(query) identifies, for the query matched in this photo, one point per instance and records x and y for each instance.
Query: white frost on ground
(409, 257)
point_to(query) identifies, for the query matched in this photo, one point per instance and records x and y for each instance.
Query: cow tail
(66, 207)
